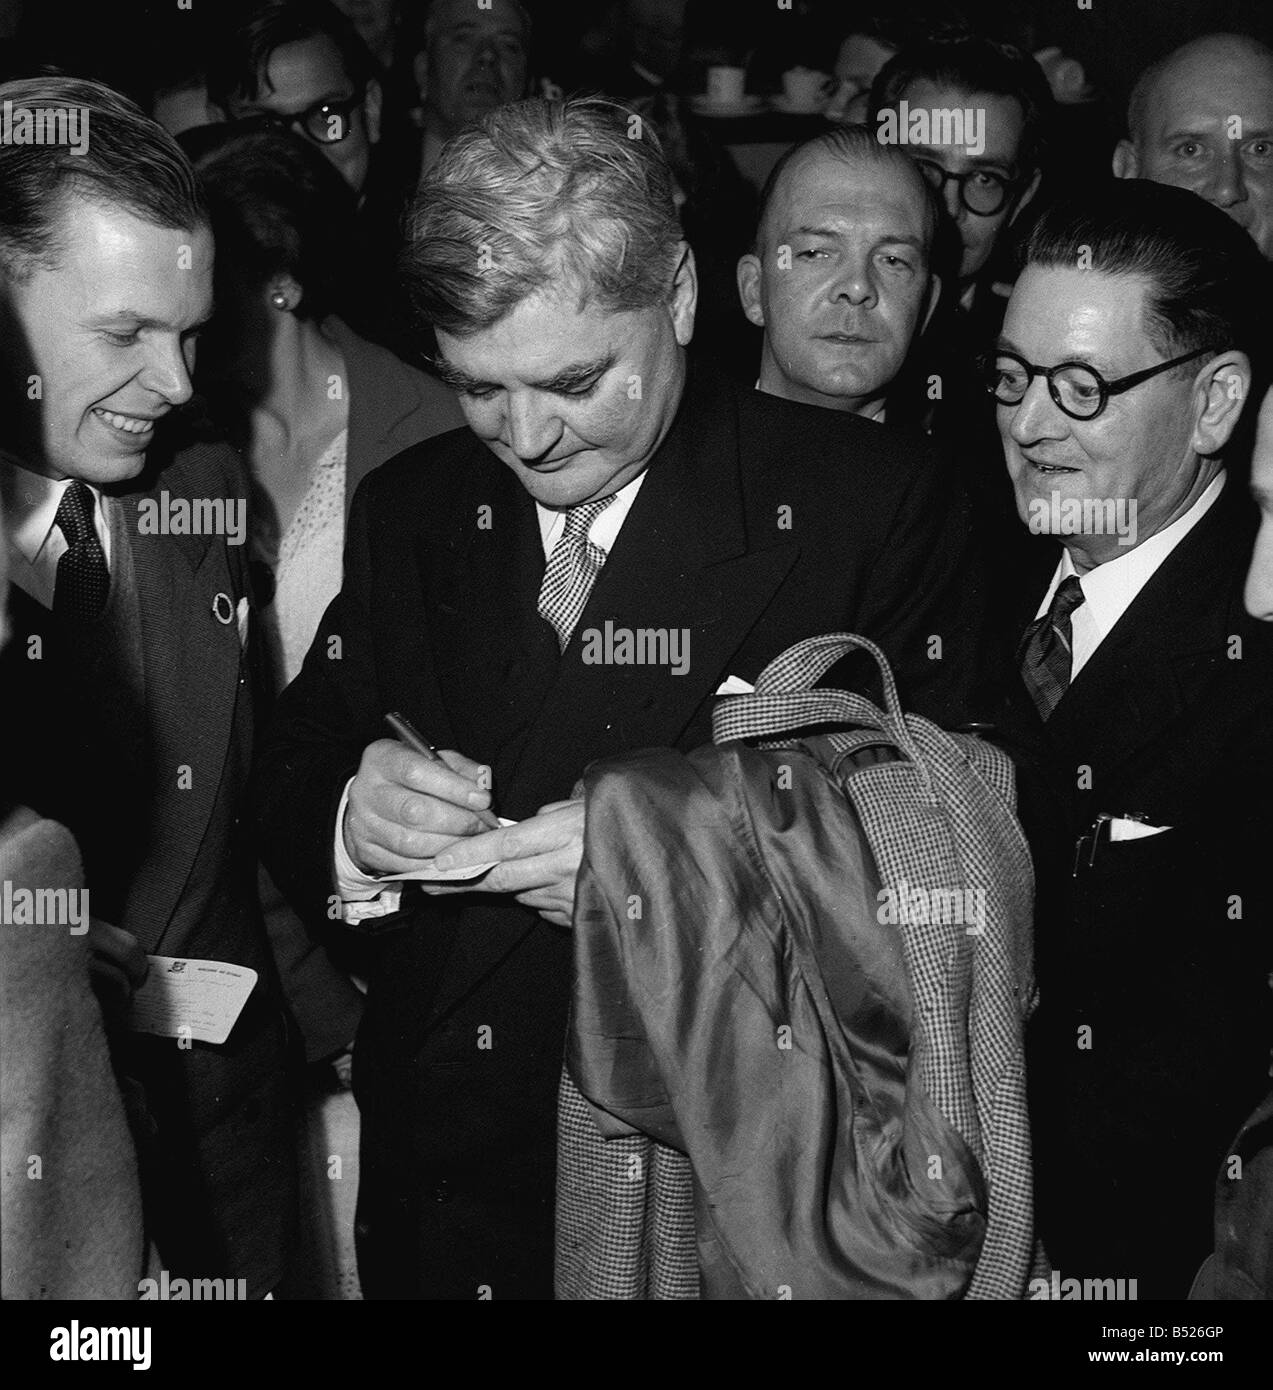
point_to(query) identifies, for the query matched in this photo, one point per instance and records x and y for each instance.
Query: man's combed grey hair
(572, 194)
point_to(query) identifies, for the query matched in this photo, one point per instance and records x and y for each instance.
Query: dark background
(137, 44)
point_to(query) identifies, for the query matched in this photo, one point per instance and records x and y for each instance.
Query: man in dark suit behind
(1143, 701)
(127, 677)
(547, 252)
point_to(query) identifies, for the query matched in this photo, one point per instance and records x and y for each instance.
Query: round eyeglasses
(982, 192)
(326, 122)
(1079, 390)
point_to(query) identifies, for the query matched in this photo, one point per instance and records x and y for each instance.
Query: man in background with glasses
(985, 167)
(989, 171)
(299, 65)
(1141, 698)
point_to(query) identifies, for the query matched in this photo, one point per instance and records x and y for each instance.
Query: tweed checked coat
(848, 1083)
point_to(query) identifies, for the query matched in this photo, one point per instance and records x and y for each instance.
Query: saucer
(703, 105)
(782, 102)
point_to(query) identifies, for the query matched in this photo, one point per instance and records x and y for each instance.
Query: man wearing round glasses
(986, 169)
(1119, 379)
(300, 66)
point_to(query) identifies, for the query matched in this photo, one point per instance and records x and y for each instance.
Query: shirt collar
(31, 509)
(1109, 588)
(604, 530)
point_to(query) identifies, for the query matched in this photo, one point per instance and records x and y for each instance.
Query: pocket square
(243, 615)
(1122, 829)
(735, 685)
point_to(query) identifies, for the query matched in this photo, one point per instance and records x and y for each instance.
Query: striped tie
(1045, 654)
(571, 571)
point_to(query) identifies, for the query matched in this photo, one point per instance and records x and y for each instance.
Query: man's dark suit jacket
(759, 523)
(391, 406)
(149, 775)
(1159, 946)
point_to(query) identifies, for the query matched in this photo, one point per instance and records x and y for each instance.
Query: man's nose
(1259, 578)
(1227, 184)
(855, 284)
(166, 373)
(531, 429)
(1036, 416)
(954, 202)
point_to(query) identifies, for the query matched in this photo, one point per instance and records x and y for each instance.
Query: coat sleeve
(321, 725)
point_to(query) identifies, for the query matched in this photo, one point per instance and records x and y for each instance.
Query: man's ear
(684, 295)
(934, 294)
(1223, 386)
(750, 277)
(1126, 162)
(372, 106)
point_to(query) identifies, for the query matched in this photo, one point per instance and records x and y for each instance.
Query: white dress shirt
(363, 895)
(36, 542)
(1110, 589)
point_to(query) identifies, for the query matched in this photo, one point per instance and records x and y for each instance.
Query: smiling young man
(602, 484)
(126, 676)
(1119, 378)
(840, 277)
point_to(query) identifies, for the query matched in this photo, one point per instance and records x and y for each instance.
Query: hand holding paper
(535, 860)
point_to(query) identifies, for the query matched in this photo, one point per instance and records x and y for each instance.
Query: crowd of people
(399, 425)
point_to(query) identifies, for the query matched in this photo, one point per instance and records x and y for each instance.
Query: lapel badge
(223, 609)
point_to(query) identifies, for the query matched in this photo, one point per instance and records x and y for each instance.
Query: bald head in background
(1202, 119)
(840, 277)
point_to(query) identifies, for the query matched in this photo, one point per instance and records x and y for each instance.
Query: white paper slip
(1121, 829)
(199, 999)
(426, 873)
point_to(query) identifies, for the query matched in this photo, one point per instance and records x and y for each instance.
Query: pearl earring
(278, 299)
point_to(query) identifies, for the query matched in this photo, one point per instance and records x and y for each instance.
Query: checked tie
(83, 580)
(571, 571)
(1046, 654)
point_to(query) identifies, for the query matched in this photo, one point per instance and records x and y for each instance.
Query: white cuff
(361, 895)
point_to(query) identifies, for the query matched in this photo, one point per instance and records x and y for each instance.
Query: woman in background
(313, 408)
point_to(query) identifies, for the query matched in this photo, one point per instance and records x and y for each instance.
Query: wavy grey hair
(573, 194)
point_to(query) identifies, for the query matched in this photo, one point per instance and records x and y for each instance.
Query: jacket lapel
(1157, 659)
(683, 563)
(192, 664)
(682, 559)
(495, 657)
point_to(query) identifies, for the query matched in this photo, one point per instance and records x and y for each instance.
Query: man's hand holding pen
(406, 806)
(411, 802)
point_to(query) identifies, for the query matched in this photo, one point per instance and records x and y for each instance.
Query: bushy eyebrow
(568, 379)
(134, 319)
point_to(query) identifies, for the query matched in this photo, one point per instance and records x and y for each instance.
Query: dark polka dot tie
(83, 581)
